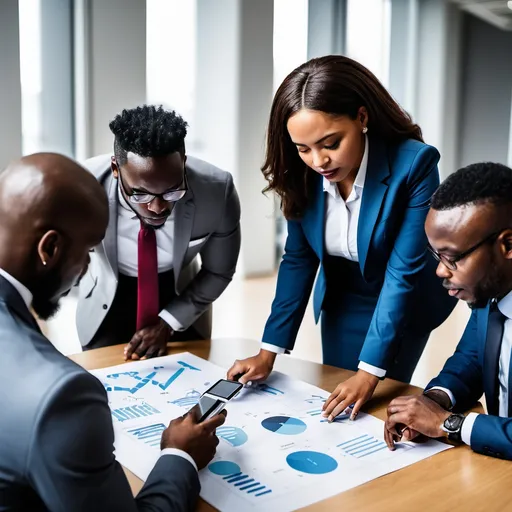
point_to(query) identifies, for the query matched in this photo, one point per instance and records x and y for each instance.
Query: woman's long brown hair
(338, 86)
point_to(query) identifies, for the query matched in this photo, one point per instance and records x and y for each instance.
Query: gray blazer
(56, 434)
(207, 223)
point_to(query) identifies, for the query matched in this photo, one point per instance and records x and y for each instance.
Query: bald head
(50, 190)
(52, 212)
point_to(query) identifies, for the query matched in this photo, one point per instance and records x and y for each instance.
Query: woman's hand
(253, 368)
(357, 390)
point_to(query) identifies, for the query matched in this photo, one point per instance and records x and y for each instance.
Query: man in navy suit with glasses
(469, 228)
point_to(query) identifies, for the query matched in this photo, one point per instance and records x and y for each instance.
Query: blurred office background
(67, 67)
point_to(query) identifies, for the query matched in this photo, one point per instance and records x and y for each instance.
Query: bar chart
(234, 436)
(149, 434)
(362, 446)
(232, 474)
(190, 399)
(134, 411)
(269, 390)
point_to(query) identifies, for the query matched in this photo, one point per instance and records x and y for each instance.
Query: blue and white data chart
(362, 446)
(134, 411)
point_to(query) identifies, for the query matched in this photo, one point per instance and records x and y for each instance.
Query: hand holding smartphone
(215, 398)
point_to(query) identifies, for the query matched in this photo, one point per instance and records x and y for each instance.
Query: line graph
(143, 380)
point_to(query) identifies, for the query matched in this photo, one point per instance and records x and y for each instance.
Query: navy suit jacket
(392, 248)
(471, 372)
(56, 435)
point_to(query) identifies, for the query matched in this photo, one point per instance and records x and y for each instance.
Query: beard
(45, 301)
(45, 308)
(489, 288)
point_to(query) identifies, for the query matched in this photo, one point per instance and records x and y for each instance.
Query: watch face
(454, 422)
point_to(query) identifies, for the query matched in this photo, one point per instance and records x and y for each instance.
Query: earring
(44, 263)
(365, 129)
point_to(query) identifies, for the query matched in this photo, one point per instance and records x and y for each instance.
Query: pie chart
(224, 468)
(284, 425)
(313, 463)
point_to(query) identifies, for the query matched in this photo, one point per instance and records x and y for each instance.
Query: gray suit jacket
(207, 223)
(56, 435)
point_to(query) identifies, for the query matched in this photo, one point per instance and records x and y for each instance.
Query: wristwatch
(453, 426)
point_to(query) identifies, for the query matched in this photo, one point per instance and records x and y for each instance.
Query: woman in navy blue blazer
(355, 181)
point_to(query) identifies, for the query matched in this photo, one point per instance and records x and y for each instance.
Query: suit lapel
(313, 222)
(492, 332)
(375, 188)
(183, 222)
(110, 240)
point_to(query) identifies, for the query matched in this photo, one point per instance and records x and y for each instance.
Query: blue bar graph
(150, 435)
(314, 412)
(265, 388)
(232, 435)
(134, 411)
(232, 474)
(315, 399)
(362, 446)
(190, 399)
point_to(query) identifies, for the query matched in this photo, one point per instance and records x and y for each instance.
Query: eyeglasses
(451, 263)
(171, 196)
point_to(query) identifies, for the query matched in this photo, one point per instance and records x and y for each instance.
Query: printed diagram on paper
(276, 452)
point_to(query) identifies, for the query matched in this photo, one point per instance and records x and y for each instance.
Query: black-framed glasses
(171, 196)
(451, 263)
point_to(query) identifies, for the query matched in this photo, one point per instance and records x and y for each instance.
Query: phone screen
(205, 407)
(225, 389)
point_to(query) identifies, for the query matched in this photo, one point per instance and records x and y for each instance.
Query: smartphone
(214, 399)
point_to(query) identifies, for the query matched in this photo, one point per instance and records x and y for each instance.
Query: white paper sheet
(276, 451)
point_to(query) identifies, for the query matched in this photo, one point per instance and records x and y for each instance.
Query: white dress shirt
(341, 222)
(342, 216)
(25, 293)
(128, 227)
(505, 306)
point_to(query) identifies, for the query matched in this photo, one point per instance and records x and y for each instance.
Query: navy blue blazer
(392, 248)
(471, 372)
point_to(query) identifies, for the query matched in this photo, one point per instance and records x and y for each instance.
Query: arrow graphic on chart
(149, 378)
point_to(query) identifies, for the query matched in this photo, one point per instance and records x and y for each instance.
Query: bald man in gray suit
(56, 434)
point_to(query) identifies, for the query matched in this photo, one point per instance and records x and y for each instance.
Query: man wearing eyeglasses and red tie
(144, 286)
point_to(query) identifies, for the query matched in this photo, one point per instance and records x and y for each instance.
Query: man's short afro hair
(484, 182)
(148, 131)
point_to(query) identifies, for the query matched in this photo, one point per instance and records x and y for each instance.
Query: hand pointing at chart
(354, 391)
(253, 368)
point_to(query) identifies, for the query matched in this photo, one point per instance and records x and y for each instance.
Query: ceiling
(495, 12)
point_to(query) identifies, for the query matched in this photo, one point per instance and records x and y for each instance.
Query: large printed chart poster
(276, 452)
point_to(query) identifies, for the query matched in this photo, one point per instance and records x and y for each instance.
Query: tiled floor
(243, 309)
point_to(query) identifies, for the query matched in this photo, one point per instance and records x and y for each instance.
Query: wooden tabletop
(453, 480)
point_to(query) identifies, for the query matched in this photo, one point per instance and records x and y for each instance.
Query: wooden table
(456, 479)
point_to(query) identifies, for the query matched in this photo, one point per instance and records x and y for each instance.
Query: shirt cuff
(374, 370)
(273, 348)
(447, 391)
(467, 427)
(179, 453)
(168, 318)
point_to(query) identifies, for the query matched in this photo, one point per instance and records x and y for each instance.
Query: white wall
(113, 64)
(10, 89)
(425, 71)
(233, 97)
(486, 93)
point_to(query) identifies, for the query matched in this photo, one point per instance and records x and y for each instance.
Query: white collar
(505, 305)
(25, 293)
(332, 189)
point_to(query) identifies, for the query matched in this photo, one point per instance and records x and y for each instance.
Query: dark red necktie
(147, 284)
